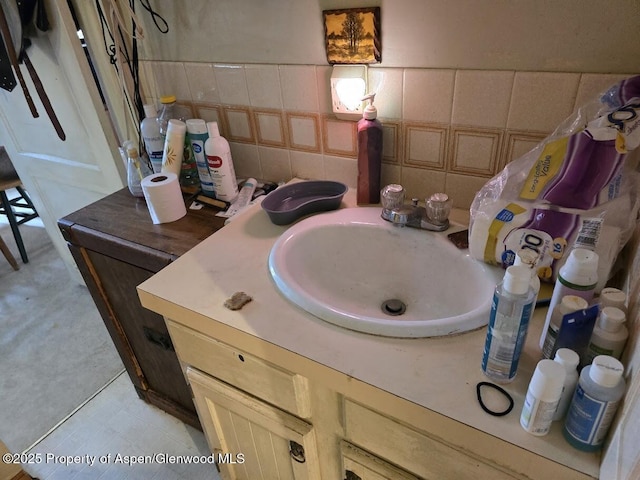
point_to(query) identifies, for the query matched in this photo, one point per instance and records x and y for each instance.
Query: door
(61, 176)
(250, 439)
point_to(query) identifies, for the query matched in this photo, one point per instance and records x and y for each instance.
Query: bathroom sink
(351, 268)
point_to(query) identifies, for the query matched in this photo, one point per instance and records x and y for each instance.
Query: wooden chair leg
(8, 255)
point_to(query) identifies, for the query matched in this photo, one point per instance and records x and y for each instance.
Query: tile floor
(117, 423)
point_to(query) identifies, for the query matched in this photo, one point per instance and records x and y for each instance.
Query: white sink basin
(343, 265)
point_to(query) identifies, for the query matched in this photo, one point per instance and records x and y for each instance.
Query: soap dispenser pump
(369, 154)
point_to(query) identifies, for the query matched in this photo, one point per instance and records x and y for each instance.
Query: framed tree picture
(352, 35)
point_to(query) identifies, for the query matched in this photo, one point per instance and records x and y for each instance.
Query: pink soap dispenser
(369, 154)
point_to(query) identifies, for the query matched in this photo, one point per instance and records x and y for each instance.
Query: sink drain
(393, 307)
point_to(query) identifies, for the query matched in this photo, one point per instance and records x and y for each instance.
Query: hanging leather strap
(13, 58)
(44, 98)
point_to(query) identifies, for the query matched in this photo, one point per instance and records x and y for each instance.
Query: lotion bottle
(218, 154)
(174, 147)
(369, 155)
(197, 135)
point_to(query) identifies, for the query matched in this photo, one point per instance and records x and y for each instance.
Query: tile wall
(444, 130)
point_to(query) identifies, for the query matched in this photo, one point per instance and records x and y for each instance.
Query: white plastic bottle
(150, 133)
(578, 276)
(594, 403)
(218, 154)
(174, 147)
(569, 360)
(508, 325)
(197, 135)
(568, 304)
(609, 335)
(543, 396)
(613, 297)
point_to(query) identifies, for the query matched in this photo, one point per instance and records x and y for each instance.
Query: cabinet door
(360, 465)
(251, 439)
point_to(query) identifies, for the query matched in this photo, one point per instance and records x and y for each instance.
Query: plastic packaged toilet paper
(577, 188)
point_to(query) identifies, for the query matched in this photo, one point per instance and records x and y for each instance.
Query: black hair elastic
(499, 389)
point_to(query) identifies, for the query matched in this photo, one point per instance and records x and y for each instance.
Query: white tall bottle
(218, 154)
(569, 360)
(543, 396)
(578, 276)
(174, 147)
(150, 133)
(609, 335)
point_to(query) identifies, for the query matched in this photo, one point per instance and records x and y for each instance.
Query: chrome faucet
(433, 216)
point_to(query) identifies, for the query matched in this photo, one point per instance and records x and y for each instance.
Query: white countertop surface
(439, 374)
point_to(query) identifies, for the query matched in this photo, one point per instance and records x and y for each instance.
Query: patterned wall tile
(270, 128)
(304, 131)
(425, 145)
(516, 144)
(239, 124)
(211, 113)
(474, 151)
(391, 142)
(338, 137)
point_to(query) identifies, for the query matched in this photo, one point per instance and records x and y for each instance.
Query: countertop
(439, 374)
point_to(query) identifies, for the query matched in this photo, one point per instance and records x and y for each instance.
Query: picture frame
(352, 35)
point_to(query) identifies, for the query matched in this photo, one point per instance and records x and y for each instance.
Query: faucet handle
(392, 197)
(438, 207)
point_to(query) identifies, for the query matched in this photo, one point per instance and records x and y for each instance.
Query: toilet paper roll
(164, 198)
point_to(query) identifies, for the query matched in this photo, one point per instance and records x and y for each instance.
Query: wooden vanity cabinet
(116, 247)
(286, 419)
